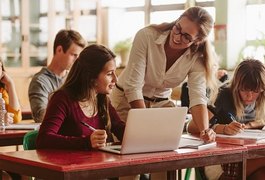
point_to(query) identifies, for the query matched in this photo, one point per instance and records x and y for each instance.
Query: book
(248, 136)
(32, 126)
(193, 142)
(254, 134)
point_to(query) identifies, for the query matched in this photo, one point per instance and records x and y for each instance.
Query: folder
(32, 126)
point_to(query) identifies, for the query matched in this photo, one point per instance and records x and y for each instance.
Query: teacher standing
(161, 58)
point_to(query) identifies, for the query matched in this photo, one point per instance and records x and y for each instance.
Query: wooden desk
(62, 164)
(12, 137)
(255, 151)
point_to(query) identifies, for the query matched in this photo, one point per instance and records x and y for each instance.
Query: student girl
(79, 115)
(161, 58)
(243, 99)
(8, 90)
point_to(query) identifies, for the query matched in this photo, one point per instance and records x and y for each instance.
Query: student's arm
(10, 87)
(53, 133)
(229, 129)
(13, 105)
(257, 124)
(38, 98)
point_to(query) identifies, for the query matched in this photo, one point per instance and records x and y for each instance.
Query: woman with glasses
(161, 58)
(243, 99)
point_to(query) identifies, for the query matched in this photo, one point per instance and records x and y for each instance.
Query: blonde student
(240, 105)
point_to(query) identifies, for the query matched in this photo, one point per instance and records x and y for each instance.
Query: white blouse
(146, 75)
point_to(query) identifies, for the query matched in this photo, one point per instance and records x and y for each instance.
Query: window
(10, 24)
(255, 26)
(28, 28)
(130, 17)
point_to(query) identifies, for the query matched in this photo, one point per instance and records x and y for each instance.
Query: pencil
(87, 125)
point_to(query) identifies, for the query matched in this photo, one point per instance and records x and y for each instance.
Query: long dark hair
(80, 81)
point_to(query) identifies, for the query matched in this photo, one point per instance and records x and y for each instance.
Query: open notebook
(194, 142)
(151, 130)
(254, 134)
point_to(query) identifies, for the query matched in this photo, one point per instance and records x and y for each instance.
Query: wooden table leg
(244, 166)
(172, 175)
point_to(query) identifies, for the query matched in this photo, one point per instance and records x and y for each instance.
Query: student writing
(83, 98)
(241, 106)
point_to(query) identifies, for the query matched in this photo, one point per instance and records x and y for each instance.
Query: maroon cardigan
(62, 127)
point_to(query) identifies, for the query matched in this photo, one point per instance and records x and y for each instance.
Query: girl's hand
(9, 118)
(233, 128)
(208, 135)
(98, 138)
(5, 78)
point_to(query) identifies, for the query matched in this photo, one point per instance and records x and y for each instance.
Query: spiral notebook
(151, 130)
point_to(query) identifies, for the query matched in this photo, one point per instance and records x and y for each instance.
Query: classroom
(204, 57)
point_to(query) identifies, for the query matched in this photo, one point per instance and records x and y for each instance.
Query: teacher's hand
(208, 135)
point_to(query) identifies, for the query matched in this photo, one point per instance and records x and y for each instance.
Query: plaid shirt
(232, 171)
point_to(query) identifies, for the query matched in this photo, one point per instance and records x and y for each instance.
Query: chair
(29, 140)
(199, 174)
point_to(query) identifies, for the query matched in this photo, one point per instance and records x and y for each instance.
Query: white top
(145, 74)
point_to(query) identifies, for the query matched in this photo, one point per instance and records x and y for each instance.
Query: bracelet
(224, 129)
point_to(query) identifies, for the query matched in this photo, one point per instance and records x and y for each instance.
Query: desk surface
(12, 137)
(62, 164)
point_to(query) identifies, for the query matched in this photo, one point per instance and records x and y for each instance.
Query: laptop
(151, 130)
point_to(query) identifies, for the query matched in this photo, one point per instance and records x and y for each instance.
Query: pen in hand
(87, 125)
(95, 143)
(232, 117)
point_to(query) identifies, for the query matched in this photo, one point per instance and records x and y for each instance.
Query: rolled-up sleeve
(135, 72)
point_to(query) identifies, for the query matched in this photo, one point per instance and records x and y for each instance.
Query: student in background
(8, 90)
(162, 56)
(67, 46)
(243, 101)
(83, 98)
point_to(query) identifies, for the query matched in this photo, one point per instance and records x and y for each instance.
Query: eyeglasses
(185, 38)
(251, 91)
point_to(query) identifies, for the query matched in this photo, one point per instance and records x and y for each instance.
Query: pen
(232, 117)
(87, 125)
